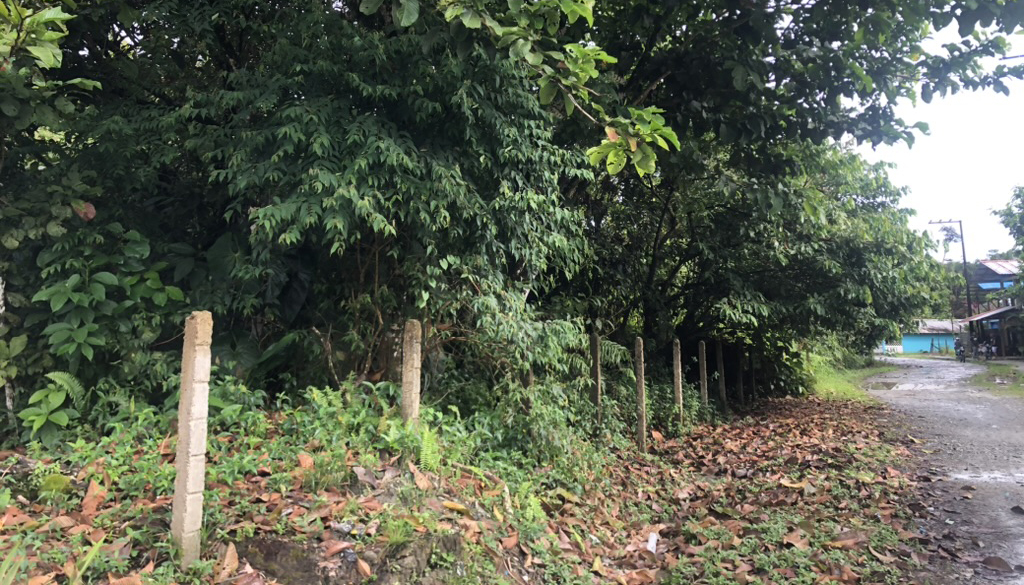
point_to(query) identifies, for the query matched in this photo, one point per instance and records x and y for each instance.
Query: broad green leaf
(406, 12)
(17, 345)
(548, 92)
(56, 398)
(471, 19)
(105, 278)
(60, 418)
(616, 161)
(370, 6)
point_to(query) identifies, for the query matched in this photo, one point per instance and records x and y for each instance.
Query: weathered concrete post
(595, 373)
(190, 462)
(412, 351)
(741, 362)
(702, 362)
(677, 379)
(753, 380)
(720, 366)
(641, 397)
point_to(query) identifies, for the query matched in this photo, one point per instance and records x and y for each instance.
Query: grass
(832, 383)
(1001, 378)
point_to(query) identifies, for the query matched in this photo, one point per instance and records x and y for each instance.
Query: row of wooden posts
(190, 463)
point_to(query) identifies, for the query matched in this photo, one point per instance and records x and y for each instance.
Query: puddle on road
(881, 385)
(990, 477)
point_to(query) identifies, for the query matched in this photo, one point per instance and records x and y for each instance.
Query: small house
(931, 336)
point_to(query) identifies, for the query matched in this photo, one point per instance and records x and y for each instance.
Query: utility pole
(967, 281)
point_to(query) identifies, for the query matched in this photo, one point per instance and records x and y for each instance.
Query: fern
(430, 451)
(70, 384)
(534, 509)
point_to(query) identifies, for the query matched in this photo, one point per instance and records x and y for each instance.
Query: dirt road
(971, 446)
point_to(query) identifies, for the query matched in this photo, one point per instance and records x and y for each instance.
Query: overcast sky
(967, 166)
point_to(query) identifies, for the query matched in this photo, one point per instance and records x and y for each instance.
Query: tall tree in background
(315, 172)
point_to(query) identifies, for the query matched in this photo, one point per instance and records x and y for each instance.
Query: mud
(969, 445)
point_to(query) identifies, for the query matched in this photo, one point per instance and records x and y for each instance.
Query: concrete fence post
(190, 461)
(702, 362)
(641, 397)
(677, 380)
(720, 367)
(741, 360)
(753, 380)
(412, 352)
(595, 373)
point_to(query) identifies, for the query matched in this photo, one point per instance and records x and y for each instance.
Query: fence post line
(702, 362)
(595, 373)
(190, 461)
(641, 397)
(677, 379)
(720, 367)
(412, 351)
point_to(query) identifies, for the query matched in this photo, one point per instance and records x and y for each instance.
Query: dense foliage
(511, 173)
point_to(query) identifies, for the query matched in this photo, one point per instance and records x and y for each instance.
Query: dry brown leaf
(511, 541)
(227, 565)
(333, 547)
(796, 539)
(129, 580)
(94, 496)
(63, 522)
(457, 507)
(305, 460)
(364, 568)
(42, 579)
(887, 559)
(421, 480)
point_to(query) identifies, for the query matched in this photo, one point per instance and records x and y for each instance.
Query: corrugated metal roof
(936, 326)
(1002, 266)
(990, 314)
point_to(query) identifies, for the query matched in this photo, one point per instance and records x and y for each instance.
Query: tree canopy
(510, 172)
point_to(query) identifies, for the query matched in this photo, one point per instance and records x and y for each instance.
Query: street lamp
(967, 281)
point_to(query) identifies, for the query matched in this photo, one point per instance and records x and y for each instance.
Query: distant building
(928, 336)
(997, 316)
(988, 278)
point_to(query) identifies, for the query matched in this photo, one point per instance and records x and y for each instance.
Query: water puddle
(990, 477)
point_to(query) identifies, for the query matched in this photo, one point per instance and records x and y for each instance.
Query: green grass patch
(1001, 378)
(833, 383)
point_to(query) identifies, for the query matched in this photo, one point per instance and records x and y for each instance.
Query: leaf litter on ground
(798, 489)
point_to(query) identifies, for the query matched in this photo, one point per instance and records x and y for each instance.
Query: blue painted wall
(918, 342)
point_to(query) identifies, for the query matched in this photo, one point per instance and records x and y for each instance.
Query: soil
(969, 448)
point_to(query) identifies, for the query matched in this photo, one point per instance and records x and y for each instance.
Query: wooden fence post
(595, 373)
(720, 366)
(190, 461)
(412, 351)
(677, 379)
(702, 362)
(641, 397)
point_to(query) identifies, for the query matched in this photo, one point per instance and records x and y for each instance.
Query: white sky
(965, 167)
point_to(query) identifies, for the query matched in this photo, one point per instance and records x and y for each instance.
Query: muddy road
(970, 447)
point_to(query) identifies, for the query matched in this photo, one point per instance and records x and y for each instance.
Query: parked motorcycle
(990, 351)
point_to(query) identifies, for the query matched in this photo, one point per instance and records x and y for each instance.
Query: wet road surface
(971, 444)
